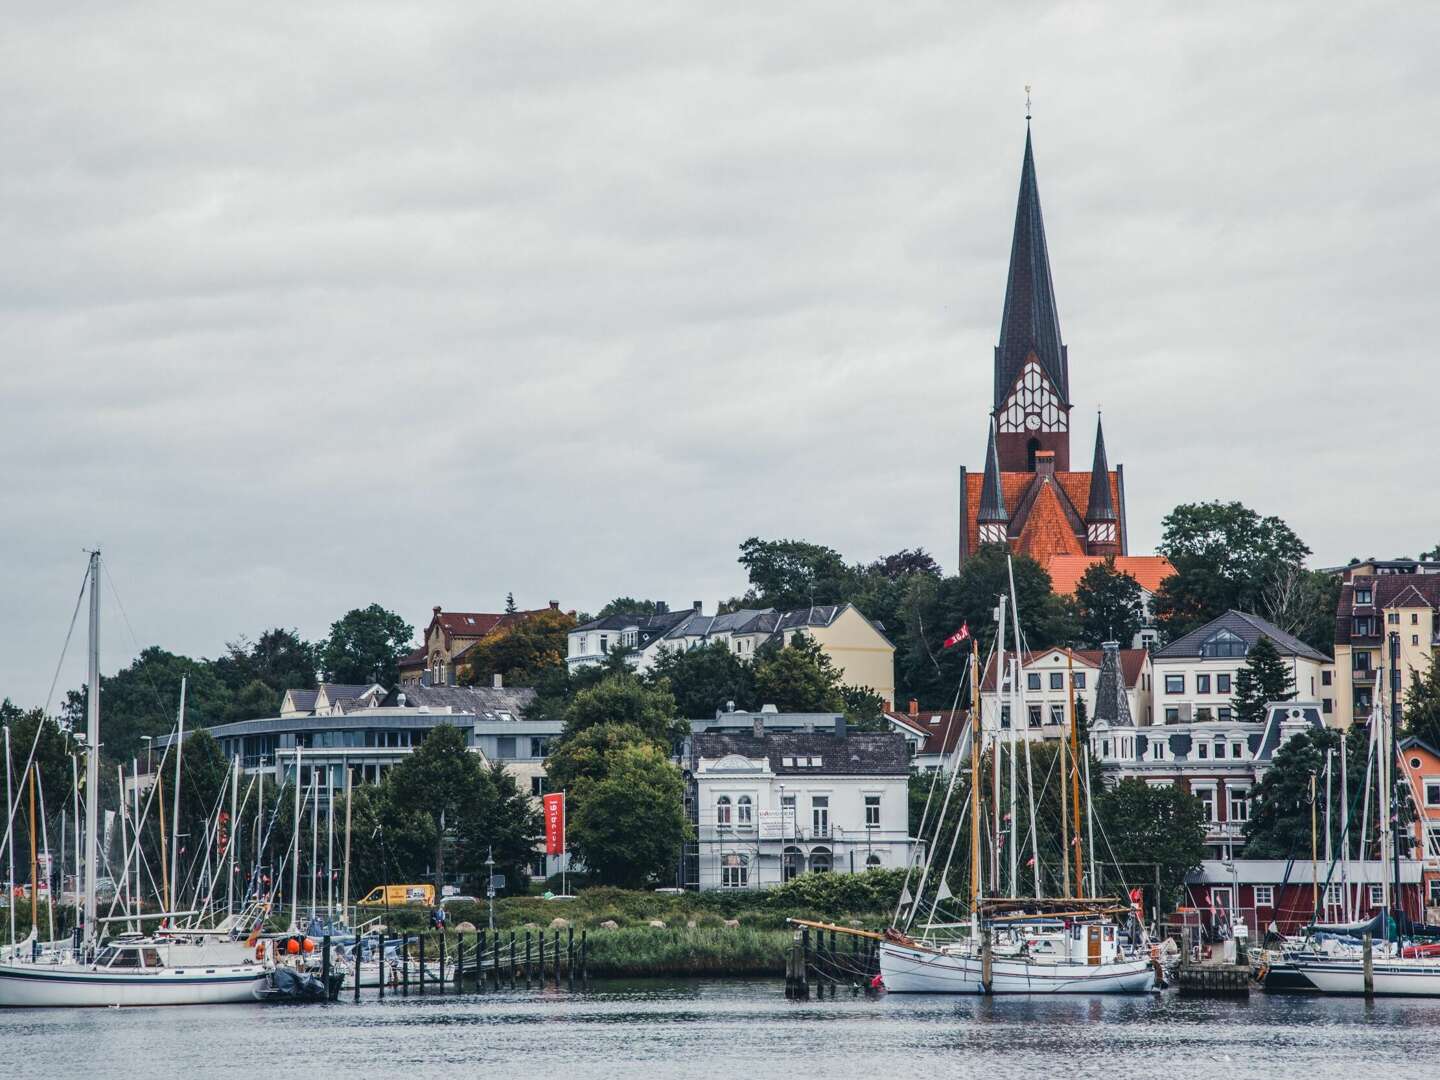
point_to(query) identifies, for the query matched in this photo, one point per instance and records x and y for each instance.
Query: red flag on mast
(957, 637)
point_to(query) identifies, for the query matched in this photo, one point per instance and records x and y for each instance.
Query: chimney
(1044, 462)
(914, 707)
(437, 609)
(661, 607)
(698, 605)
(498, 681)
(554, 605)
(840, 727)
(400, 700)
(729, 706)
(758, 725)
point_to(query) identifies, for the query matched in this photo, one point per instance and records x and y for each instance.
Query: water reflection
(704, 1028)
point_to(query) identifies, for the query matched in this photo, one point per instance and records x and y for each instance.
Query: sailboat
(1016, 945)
(129, 970)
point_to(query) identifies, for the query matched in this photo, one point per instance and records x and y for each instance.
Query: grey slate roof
(1031, 320)
(304, 700)
(1100, 507)
(1112, 704)
(486, 702)
(656, 623)
(992, 493)
(861, 754)
(1250, 628)
(343, 691)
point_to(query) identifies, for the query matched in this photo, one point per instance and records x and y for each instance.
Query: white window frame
(872, 802)
(744, 811)
(1264, 896)
(723, 812)
(1431, 784)
(1240, 796)
(1377, 895)
(734, 871)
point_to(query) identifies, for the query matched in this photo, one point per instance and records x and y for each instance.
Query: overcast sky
(305, 306)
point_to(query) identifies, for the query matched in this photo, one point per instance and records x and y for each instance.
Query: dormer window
(1364, 596)
(1223, 645)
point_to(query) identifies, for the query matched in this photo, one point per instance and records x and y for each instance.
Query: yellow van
(399, 896)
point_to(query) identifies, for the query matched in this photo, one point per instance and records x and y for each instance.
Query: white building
(1194, 676)
(1045, 689)
(767, 806)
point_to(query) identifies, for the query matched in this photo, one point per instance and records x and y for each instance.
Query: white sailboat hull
(1392, 978)
(35, 986)
(907, 970)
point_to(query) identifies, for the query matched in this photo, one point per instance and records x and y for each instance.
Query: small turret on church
(993, 518)
(1102, 529)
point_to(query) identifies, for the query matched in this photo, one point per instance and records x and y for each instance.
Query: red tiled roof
(1066, 570)
(1132, 662)
(941, 727)
(1050, 534)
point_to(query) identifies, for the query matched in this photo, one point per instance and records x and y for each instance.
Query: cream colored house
(1044, 696)
(861, 652)
(1194, 675)
(1373, 608)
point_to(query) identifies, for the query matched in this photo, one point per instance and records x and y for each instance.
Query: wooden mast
(1075, 787)
(164, 843)
(975, 889)
(34, 859)
(1065, 805)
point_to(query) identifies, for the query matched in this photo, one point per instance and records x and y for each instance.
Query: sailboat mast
(175, 805)
(330, 852)
(976, 890)
(345, 887)
(1020, 690)
(123, 885)
(295, 849)
(1394, 755)
(92, 758)
(34, 858)
(314, 839)
(230, 834)
(1345, 830)
(135, 804)
(9, 837)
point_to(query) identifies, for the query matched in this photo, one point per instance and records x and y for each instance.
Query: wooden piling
(512, 959)
(541, 936)
(325, 966)
(495, 959)
(570, 955)
(420, 937)
(357, 969)
(527, 959)
(555, 947)
(442, 959)
(987, 961)
(383, 965)
(405, 964)
(584, 958)
(1369, 969)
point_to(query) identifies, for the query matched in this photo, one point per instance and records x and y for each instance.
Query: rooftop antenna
(1027, 103)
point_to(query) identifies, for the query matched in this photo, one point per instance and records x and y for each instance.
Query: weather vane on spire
(1027, 102)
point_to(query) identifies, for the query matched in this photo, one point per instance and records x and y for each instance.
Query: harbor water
(709, 1028)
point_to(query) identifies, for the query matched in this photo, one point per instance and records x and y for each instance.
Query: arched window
(820, 862)
(742, 807)
(872, 861)
(722, 811)
(792, 863)
(734, 871)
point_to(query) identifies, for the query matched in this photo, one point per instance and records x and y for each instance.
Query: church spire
(1030, 322)
(1102, 535)
(993, 518)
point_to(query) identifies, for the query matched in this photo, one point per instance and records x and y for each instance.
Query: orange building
(1421, 763)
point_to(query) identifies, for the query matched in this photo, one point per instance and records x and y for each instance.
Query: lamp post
(490, 883)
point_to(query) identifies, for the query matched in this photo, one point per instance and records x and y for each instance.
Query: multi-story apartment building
(1378, 601)
(1194, 676)
(860, 650)
(1045, 689)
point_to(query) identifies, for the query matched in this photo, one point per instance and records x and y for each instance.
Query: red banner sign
(555, 823)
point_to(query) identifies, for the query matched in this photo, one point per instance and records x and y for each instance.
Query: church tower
(1032, 370)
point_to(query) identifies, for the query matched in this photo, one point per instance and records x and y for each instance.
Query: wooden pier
(480, 961)
(839, 956)
(1213, 980)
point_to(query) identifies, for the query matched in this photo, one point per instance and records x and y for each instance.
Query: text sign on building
(774, 826)
(555, 823)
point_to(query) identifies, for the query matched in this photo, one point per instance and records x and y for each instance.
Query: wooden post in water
(527, 959)
(584, 959)
(357, 969)
(382, 964)
(512, 959)
(495, 958)
(1369, 969)
(555, 942)
(480, 960)
(442, 959)
(541, 936)
(325, 966)
(570, 955)
(987, 960)
(405, 964)
(420, 937)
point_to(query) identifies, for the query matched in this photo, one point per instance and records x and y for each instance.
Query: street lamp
(490, 883)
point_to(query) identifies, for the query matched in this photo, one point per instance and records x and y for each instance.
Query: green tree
(1109, 605)
(442, 780)
(1303, 602)
(253, 701)
(788, 574)
(390, 844)
(504, 821)
(1422, 706)
(280, 659)
(522, 653)
(366, 644)
(583, 755)
(1279, 823)
(204, 775)
(142, 699)
(864, 709)
(625, 699)
(510, 608)
(936, 609)
(704, 679)
(628, 605)
(1224, 555)
(798, 677)
(1264, 678)
(1145, 825)
(52, 751)
(629, 826)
